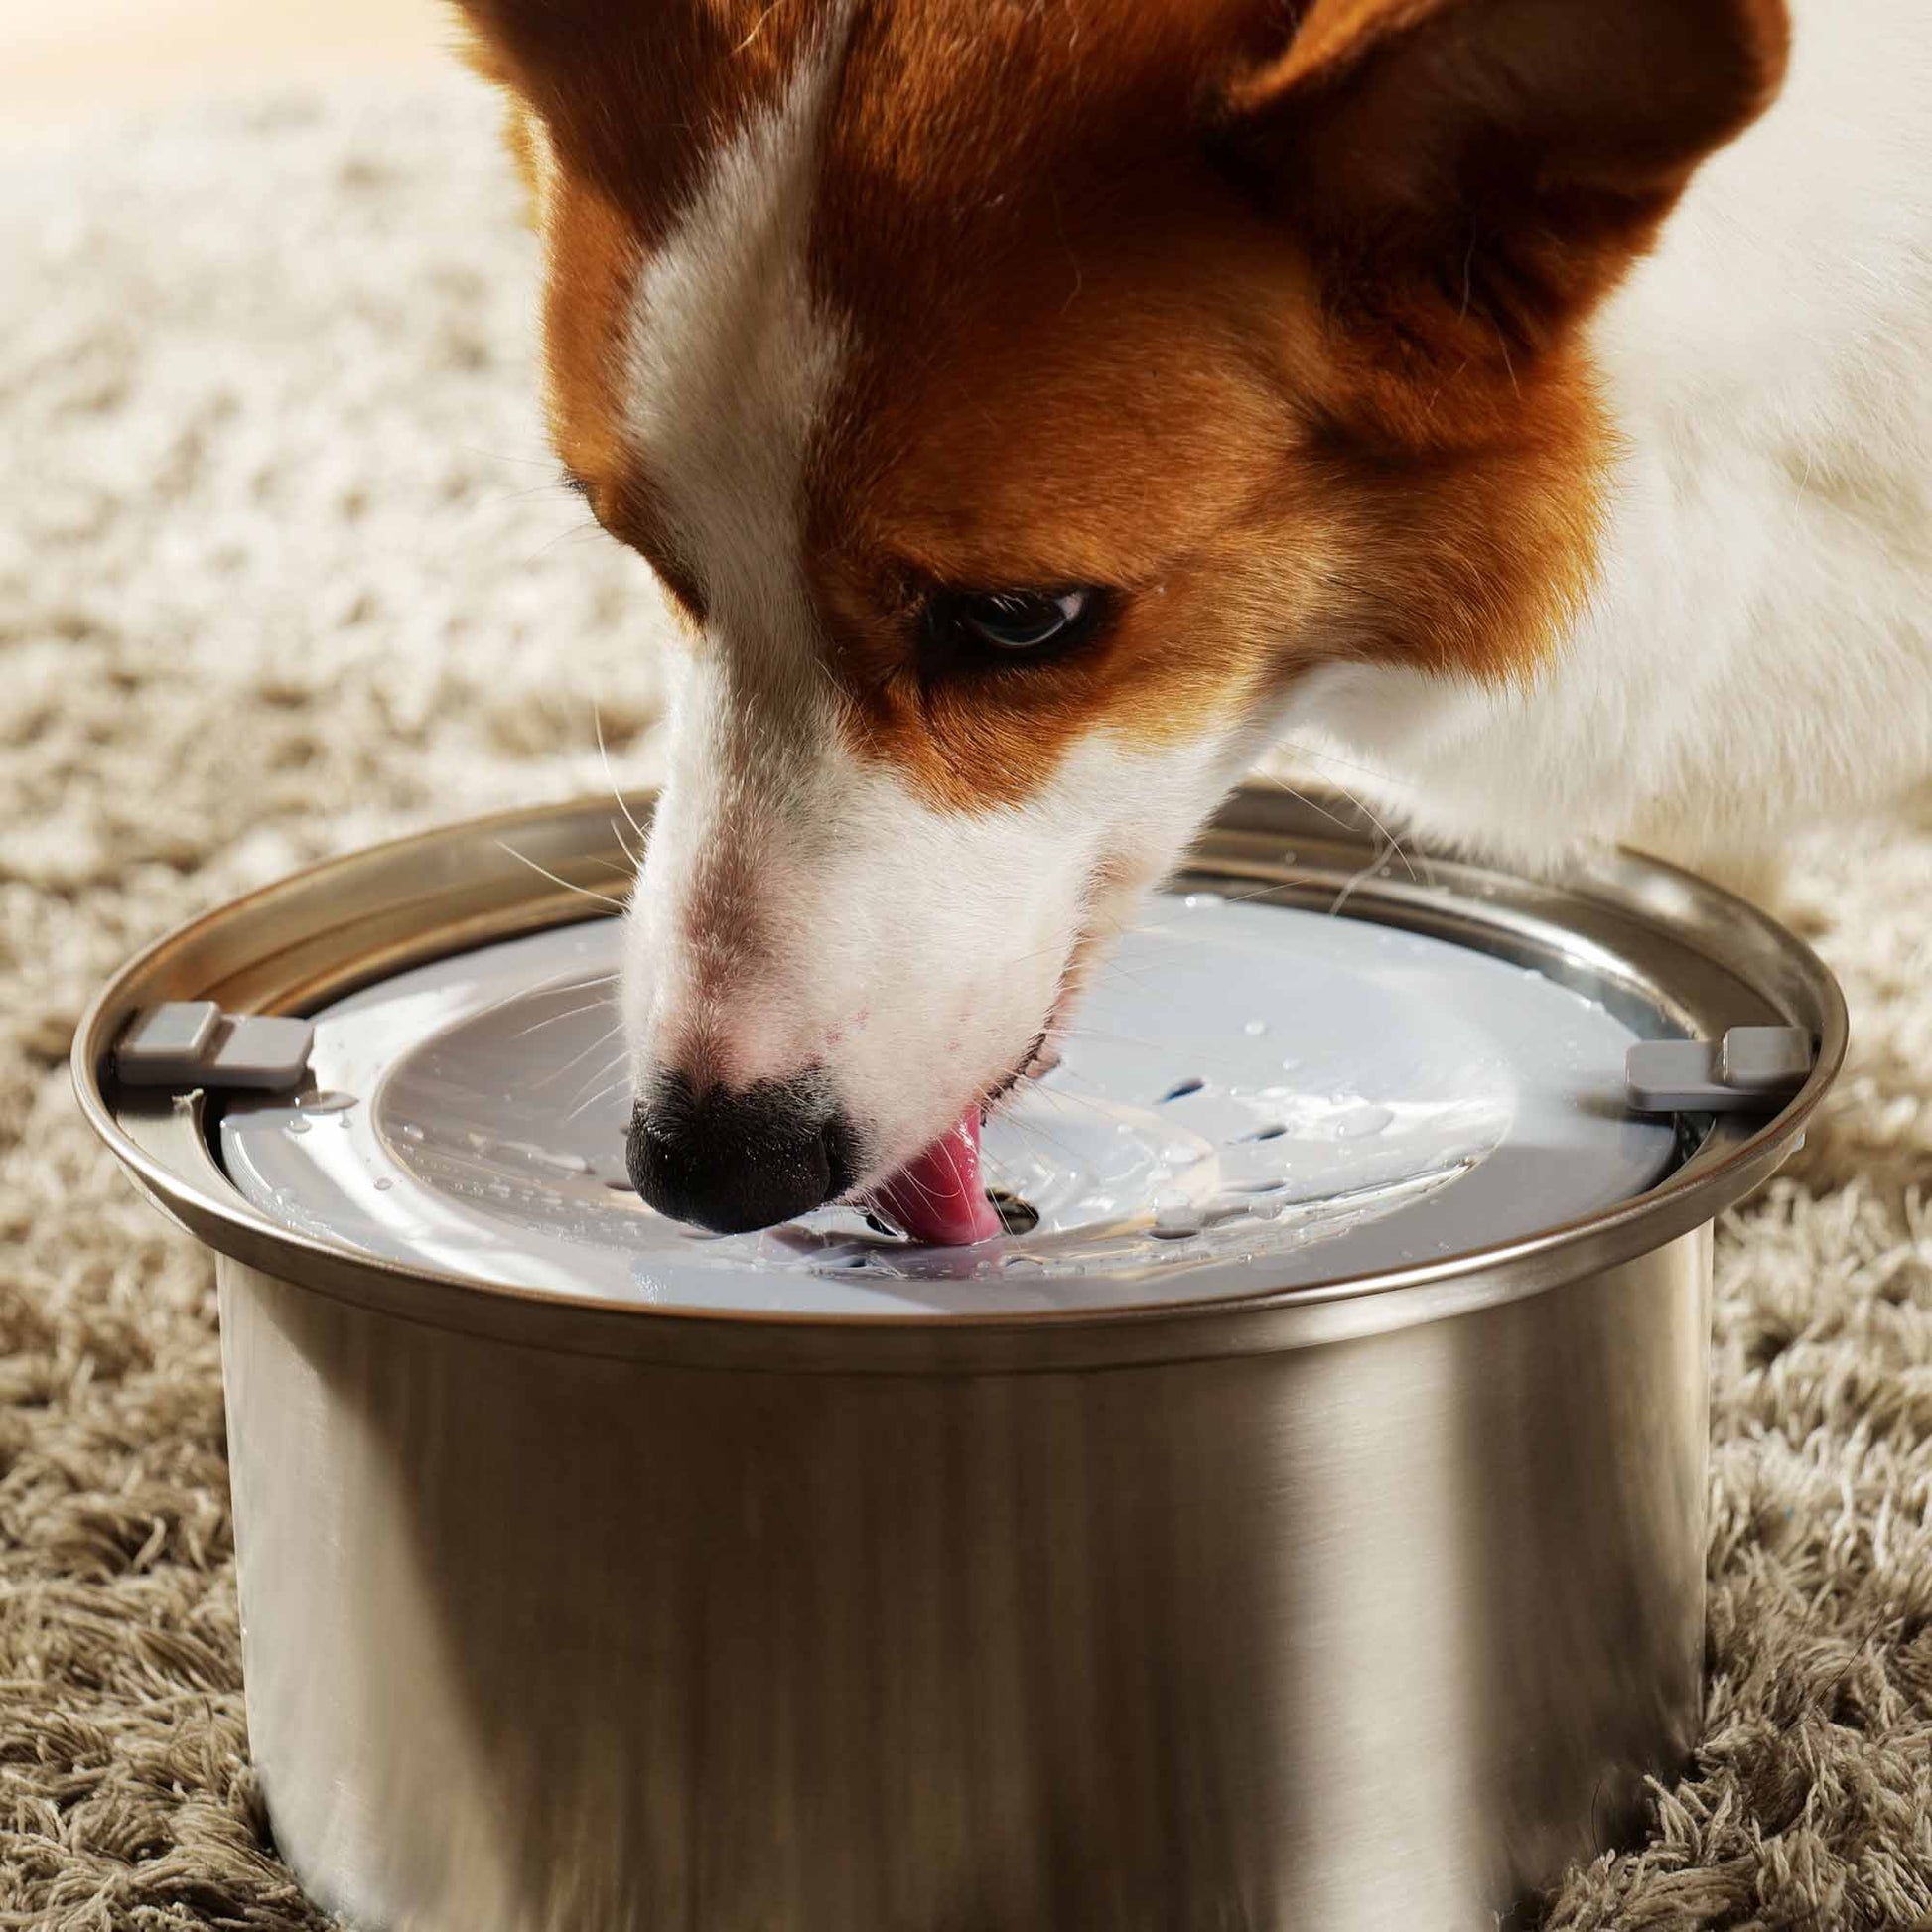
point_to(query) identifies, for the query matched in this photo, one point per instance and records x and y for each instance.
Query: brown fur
(1268, 324)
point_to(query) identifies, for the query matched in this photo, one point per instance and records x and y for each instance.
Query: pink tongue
(938, 1196)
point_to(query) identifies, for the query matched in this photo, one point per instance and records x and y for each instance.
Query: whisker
(1032, 1130)
(610, 1088)
(576, 1059)
(1394, 845)
(551, 1018)
(603, 752)
(560, 983)
(1307, 751)
(1228, 898)
(503, 456)
(603, 898)
(589, 527)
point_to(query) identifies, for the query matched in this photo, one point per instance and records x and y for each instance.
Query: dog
(1035, 409)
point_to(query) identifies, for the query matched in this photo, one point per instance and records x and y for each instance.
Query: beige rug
(281, 570)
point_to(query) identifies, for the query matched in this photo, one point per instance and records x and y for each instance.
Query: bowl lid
(1252, 1097)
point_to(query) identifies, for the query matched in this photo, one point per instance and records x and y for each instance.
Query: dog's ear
(1469, 176)
(522, 44)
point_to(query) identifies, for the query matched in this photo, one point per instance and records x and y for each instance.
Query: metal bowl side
(1377, 1636)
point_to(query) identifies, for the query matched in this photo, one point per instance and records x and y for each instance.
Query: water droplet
(297, 1125)
(1024, 1265)
(1359, 1122)
(324, 1101)
(1181, 1153)
(411, 1132)
(1254, 1028)
(477, 1141)
(1195, 900)
(1288, 1066)
(384, 1186)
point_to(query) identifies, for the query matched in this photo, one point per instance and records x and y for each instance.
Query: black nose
(731, 1161)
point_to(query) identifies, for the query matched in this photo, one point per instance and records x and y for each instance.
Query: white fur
(913, 953)
(1759, 650)
(729, 363)
(799, 909)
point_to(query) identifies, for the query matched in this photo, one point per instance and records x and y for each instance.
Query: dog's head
(1016, 398)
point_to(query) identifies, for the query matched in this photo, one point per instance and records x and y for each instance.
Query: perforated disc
(1260, 1099)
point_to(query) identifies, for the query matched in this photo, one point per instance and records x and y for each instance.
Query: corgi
(1036, 410)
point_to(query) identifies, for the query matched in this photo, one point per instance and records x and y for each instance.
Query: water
(560, 1163)
(326, 1100)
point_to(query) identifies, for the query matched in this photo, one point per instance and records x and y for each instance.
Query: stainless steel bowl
(1356, 1605)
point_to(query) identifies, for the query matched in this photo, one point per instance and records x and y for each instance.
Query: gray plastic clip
(1752, 1069)
(193, 1044)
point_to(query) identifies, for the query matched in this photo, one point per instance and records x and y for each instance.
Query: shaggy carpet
(282, 570)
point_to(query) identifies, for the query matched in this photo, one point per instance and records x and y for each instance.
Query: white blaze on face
(800, 908)
(729, 362)
(814, 912)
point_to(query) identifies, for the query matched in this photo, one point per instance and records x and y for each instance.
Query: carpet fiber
(282, 569)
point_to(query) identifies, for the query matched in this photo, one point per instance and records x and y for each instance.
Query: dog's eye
(1013, 623)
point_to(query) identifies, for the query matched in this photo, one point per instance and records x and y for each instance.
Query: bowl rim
(1626, 926)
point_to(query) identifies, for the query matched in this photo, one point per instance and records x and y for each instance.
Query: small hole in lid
(1272, 1132)
(1017, 1217)
(1183, 1089)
